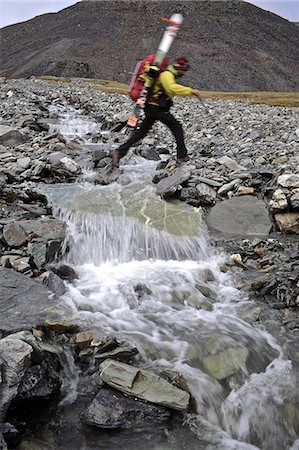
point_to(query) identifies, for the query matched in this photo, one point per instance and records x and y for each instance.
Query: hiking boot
(184, 159)
(115, 155)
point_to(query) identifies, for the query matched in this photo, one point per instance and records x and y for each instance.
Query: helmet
(181, 63)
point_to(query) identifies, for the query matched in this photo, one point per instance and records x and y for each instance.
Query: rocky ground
(244, 174)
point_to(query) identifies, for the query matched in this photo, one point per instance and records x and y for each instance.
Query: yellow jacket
(167, 84)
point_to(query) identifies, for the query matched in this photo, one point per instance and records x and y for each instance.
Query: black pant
(153, 113)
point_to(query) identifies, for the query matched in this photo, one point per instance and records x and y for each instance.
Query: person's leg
(177, 130)
(136, 136)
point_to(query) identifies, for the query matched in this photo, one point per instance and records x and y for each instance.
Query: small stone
(279, 201)
(14, 235)
(288, 180)
(84, 339)
(245, 190)
(280, 160)
(288, 222)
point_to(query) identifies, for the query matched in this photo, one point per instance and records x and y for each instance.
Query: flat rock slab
(143, 384)
(240, 216)
(168, 186)
(45, 229)
(24, 303)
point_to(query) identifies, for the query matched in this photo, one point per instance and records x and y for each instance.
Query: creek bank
(245, 157)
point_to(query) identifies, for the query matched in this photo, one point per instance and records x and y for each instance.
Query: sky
(14, 11)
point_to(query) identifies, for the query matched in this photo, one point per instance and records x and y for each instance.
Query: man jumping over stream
(157, 107)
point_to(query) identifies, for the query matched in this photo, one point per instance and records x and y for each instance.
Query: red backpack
(140, 74)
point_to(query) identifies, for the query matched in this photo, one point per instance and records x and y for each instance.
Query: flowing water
(148, 275)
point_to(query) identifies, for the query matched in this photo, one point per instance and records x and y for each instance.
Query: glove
(196, 93)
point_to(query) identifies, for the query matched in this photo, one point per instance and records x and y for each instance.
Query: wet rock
(54, 283)
(65, 272)
(61, 326)
(70, 165)
(244, 216)
(143, 384)
(288, 222)
(111, 409)
(225, 363)
(123, 352)
(38, 252)
(84, 339)
(107, 175)
(15, 357)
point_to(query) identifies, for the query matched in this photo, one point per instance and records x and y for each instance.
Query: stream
(149, 275)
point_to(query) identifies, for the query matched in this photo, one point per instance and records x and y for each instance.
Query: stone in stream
(111, 409)
(143, 384)
(244, 216)
(226, 362)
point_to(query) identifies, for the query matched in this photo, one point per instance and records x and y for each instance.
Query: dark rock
(55, 284)
(65, 272)
(23, 301)
(150, 153)
(111, 409)
(244, 216)
(168, 186)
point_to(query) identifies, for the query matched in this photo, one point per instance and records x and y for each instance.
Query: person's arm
(172, 88)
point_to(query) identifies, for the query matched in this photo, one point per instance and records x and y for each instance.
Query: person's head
(181, 65)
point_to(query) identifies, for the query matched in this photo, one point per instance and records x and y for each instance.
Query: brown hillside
(232, 45)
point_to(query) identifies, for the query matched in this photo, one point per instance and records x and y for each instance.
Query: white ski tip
(176, 18)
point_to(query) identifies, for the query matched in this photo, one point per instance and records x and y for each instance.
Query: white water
(121, 237)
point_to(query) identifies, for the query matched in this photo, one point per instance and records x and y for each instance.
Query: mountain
(232, 45)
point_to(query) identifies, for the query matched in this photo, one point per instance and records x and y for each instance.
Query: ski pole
(207, 111)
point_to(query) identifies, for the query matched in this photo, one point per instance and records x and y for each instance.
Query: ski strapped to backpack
(150, 67)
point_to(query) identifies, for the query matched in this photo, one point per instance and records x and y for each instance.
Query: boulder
(15, 359)
(143, 384)
(23, 301)
(240, 216)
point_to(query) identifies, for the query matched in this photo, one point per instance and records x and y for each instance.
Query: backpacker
(140, 75)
